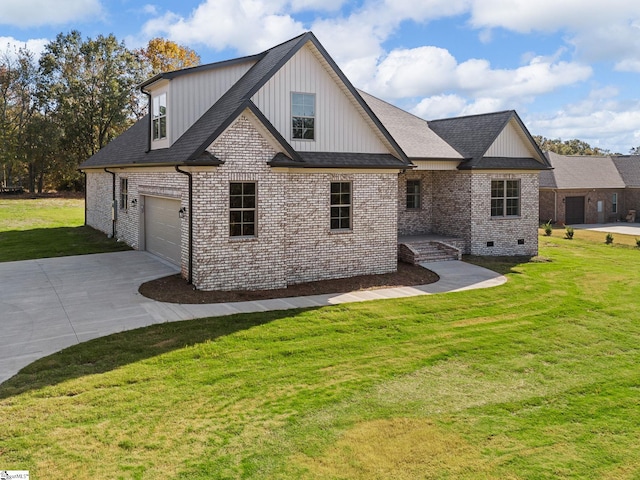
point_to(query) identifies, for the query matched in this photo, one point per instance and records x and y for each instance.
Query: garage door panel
(162, 228)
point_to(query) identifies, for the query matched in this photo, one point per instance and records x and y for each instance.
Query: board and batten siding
(190, 96)
(511, 142)
(339, 126)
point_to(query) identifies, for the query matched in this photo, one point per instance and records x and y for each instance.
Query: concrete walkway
(50, 304)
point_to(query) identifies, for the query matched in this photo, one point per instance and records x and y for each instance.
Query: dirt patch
(175, 289)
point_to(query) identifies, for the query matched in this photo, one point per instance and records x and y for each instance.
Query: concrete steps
(427, 251)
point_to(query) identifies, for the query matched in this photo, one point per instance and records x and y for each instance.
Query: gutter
(190, 276)
(113, 203)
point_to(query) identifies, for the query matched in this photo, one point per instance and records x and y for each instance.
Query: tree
(164, 55)
(18, 74)
(568, 147)
(86, 88)
(635, 151)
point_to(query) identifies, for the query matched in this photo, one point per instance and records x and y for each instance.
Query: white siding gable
(512, 142)
(189, 96)
(340, 125)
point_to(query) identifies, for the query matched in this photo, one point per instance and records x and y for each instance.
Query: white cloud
(429, 71)
(439, 106)
(8, 45)
(600, 120)
(32, 13)
(248, 26)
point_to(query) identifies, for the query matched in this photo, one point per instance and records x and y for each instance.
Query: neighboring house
(589, 189)
(272, 169)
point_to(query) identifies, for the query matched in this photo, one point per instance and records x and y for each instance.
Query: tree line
(58, 110)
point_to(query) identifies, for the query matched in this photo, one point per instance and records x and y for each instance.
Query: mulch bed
(175, 289)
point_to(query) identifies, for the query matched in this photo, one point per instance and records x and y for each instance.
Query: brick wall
(548, 199)
(504, 232)
(452, 205)
(415, 221)
(99, 185)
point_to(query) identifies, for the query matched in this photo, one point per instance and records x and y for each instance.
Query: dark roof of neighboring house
(131, 147)
(473, 135)
(581, 172)
(629, 168)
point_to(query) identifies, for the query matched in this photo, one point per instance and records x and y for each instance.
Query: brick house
(589, 189)
(272, 169)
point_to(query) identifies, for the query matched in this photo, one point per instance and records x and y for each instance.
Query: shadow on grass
(111, 352)
(55, 242)
(502, 265)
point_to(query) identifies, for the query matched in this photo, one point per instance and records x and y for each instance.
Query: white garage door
(162, 228)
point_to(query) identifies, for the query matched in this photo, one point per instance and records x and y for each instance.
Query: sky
(570, 68)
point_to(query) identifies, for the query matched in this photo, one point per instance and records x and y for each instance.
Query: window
(340, 205)
(303, 113)
(160, 117)
(242, 209)
(124, 193)
(413, 194)
(505, 198)
(614, 203)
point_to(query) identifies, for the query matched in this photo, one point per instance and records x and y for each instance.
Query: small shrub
(608, 239)
(568, 233)
(638, 242)
(548, 229)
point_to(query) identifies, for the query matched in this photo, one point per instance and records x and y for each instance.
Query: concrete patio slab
(49, 304)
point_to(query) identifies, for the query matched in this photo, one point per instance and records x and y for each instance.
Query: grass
(48, 227)
(534, 379)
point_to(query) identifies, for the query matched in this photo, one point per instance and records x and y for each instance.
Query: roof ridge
(473, 115)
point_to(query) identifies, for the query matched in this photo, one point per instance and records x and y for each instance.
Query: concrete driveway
(622, 228)
(52, 303)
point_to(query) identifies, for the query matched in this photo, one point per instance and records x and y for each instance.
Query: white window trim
(160, 142)
(314, 117)
(505, 198)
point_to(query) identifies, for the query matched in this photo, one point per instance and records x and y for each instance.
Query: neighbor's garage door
(162, 228)
(574, 210)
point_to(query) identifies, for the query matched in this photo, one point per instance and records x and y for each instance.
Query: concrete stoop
(427, 251)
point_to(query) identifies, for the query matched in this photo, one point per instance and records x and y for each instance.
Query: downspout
(113, 203)
(190, 279)
(85, 196)
(150, 121)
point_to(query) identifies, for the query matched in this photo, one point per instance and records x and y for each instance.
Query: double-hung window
(413, 194)
(340, 205)
(124, 193)
(242, 209)
(303, 116)
(159, 124)
(505, 198)
(614, 203)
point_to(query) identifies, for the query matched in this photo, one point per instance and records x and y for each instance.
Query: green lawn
(48, 227)
(536, 379)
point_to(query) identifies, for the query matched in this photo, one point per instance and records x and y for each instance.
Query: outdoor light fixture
(134, 203)
(182, 212)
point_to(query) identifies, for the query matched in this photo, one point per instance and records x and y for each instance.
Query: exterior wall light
(182, 212)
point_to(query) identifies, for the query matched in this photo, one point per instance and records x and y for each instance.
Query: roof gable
(192, 145)
(484, 141)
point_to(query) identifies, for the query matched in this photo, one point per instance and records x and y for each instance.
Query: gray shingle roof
(580, 172)
(339, 160)
(473, 135)
(130, 148)
(629, 168)
(412, 133)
